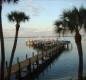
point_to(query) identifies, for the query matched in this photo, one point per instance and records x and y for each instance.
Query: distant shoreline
(44, 36)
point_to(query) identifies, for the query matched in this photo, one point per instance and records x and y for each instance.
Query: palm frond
(59, 27)
(10, 18)
(23, 17)
(58, 23)
(10, 1)
(18, 17)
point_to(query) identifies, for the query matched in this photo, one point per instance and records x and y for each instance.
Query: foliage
(71, 20)
(17, 16)
(10, 1)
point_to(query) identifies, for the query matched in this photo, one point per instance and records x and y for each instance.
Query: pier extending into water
(35, 60)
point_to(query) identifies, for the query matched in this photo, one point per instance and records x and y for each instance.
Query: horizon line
(41, 36)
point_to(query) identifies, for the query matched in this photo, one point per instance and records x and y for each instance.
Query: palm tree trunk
(13, 51)
(2, 47)
(80, 70)
(80, 52)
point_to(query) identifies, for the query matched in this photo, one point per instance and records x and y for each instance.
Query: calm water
(64, 68)
(21, 50)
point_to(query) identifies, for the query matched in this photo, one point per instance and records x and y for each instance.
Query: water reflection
(70, 48)
(34, 75)
(80, 67)
(68, 57)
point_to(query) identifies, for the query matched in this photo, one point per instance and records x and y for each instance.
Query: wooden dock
(35, 59)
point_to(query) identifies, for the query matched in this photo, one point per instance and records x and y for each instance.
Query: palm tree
(2, 38)
(17, 17)
(73, 20)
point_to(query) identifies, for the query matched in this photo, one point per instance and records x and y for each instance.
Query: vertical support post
(52, 50)
(7, 66)
(26, 57)
(43, 45)
(55, 50)
(51, 53)
(19, 72)
(29, 66)
(33, 63)
(42, 57)
(58, 50)
(33, 54)
(67, 45)
(46, 55)
(37, 62)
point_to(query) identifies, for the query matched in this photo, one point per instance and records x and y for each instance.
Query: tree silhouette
(17, 17)
(2, 37)
(73, 20)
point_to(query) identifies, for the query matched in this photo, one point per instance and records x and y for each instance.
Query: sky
(42, 13)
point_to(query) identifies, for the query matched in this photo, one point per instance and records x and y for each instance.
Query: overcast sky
(42, 15)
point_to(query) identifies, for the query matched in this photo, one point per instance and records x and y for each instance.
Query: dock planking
(23, 64)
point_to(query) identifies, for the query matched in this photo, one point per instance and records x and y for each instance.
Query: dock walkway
(29, 61)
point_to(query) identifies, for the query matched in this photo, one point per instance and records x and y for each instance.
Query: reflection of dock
(42, 66)
(50, 53)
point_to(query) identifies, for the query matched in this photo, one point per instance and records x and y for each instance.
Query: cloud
(32, 7)
(35, 9)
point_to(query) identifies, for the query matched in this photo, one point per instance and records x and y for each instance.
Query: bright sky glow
(42, 14)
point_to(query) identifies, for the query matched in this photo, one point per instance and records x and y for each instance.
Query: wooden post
(58, 51)
(51, 53)
(67, 46)
(7, 66)
(33, 63)
(29, 66)
(19, 72)
(33, 54)
(46, 55)
(26, 57)
(42, 57)
(52, 50)
(55, 49)
(37, 62)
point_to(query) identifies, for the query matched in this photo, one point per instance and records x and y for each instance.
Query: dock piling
(26, 57)
(33, 63)
(7, 67)
(18, 74)
(37, 62)
(29, 66)
(42, 57)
